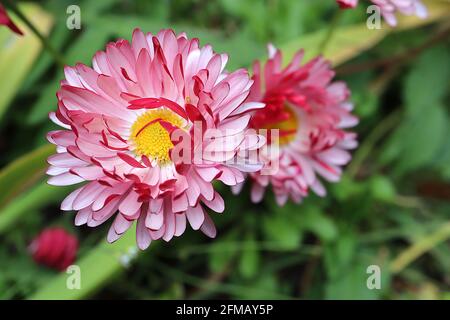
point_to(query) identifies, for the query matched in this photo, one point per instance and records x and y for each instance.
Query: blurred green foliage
(391, 208)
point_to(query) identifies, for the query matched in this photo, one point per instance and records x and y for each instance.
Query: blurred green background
(391, 208)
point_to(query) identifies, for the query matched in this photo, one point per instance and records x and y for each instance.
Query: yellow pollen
(151, 139)
(288, 128)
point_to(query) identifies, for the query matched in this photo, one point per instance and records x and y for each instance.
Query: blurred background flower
(54, 248)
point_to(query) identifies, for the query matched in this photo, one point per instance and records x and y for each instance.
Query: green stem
(44, 40)
(331, 28)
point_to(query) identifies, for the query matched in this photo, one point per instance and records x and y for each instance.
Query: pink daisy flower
(311, 113)
(389, 8)
(120, 118)
(5, 20)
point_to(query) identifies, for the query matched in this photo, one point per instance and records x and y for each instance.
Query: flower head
(5, 20)
(311, 113)
(125, 120)
(55, 248)
(388, 8)
(346, 4)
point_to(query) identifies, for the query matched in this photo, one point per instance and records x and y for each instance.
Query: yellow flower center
(288, 128)
(150, 138)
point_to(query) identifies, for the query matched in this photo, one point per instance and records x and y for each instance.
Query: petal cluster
(119, 118)
(312, 114)
(389, 8)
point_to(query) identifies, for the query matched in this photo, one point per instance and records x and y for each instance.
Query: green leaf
(264, 287)
(347, 42)
(442, 162)
(347, 188)
(420, 247)
(420, 137)
(23, 172)
(18, 54)
(352, 284)
(418, 140)
(253, 12)
(427, 83)
(350, 280)
(382, 188)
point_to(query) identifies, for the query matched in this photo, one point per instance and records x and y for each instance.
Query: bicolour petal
(311, 114)
(120, 119)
